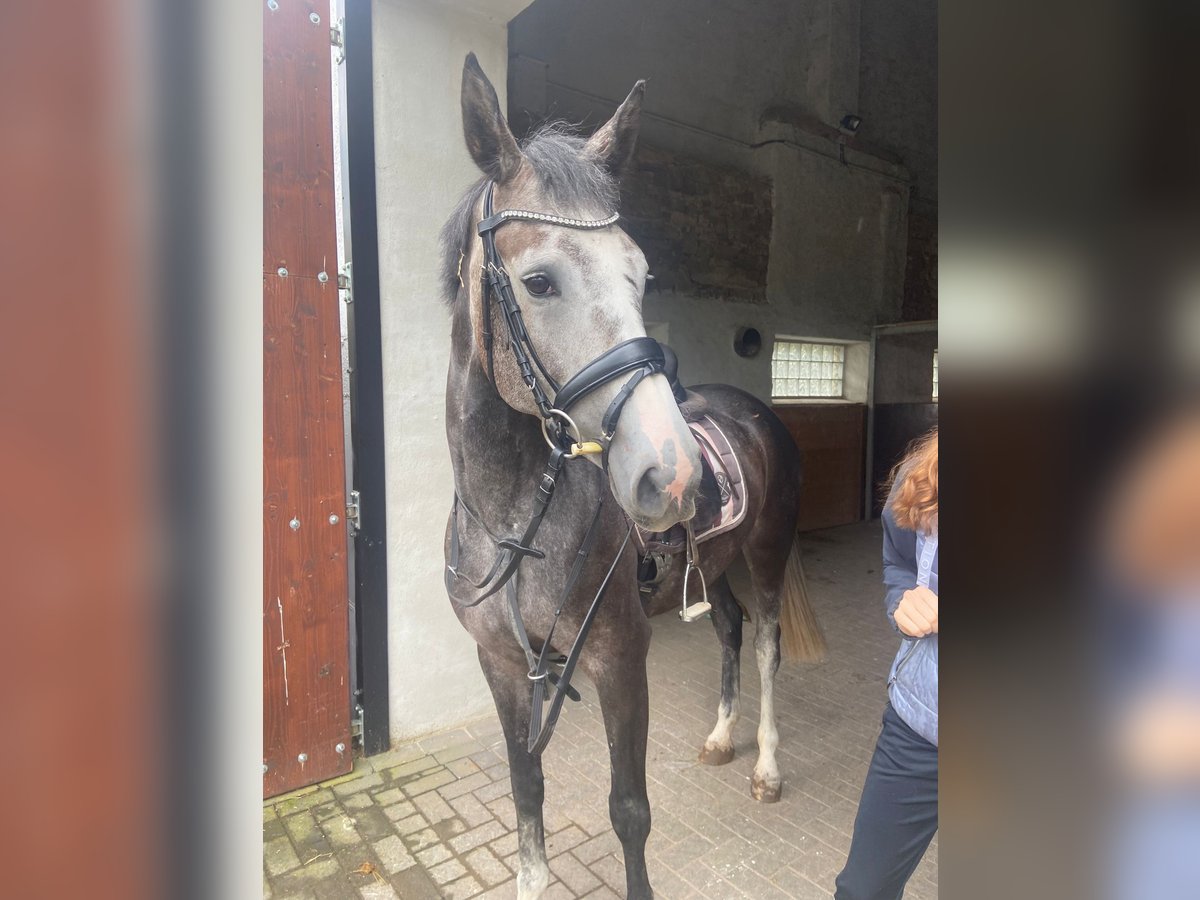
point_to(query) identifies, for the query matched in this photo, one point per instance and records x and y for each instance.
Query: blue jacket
(913, 679)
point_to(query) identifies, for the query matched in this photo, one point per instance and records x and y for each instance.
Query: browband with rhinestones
(491, 222)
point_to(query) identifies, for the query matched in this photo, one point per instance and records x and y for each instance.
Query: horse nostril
(651, 488)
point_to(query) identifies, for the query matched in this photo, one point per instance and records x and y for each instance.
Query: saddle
(721, 502)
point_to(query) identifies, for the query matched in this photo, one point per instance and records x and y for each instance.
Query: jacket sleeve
(899, 562)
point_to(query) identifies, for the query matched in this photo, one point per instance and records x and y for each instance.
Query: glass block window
(807, 369)
(935, 376)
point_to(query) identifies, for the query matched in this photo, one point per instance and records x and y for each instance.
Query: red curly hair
(915, 503)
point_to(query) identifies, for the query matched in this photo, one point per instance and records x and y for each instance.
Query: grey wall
(904, 367)
(422, 167)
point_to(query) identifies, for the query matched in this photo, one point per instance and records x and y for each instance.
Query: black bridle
(637, 357)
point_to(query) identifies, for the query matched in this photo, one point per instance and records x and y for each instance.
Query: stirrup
(696, 610)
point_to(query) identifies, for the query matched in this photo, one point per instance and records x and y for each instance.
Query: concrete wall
(421, 168)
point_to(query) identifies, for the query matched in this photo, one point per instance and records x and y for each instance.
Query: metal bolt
(265, 766)
(294, 524)
(303, 757)
(281, 272)
(322, 277)
(333, 520)
(272, 5)
(314, 18)
(340, 748)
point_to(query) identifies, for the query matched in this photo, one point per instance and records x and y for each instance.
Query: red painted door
(306, 662)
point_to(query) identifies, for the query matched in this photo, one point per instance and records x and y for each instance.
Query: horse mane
(571, 178)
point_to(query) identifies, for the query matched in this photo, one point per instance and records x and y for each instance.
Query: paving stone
(458, 751)
(435, 779)
(564, 840)
(421, 839)
(377, 891)
(484, 864)
(387, 797)
(433, 807)
(273, 829)
(393, 855)
(477, 836)
(355, 802)
(414, 883)
(464, 887)
(341, 831)
(306, 877)
(505, 846)
(432, 855)
(573, 874)
(464, 767)
(307, 838)
(357, 785)
(448, 828)
(474, 813)
(327, 810)
(611, 871)
(413, 823)
(294, 803)
(417, 766)
(591, 850)
(502, 808)
(372, 824)
(279, 856)
(398, 811)
(448, 871)
(506, 891)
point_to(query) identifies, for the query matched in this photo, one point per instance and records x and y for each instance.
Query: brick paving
(434, 818)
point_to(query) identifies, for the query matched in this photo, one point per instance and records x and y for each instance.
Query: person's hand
(917, 614)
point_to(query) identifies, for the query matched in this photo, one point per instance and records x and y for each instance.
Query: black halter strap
(640, 356)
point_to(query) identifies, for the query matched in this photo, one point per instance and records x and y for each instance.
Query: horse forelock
(566, 176)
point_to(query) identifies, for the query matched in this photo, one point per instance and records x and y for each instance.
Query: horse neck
(496, 452)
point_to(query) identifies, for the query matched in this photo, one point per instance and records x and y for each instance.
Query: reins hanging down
(638, 357)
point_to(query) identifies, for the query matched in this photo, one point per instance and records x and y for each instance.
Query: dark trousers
(897, 815)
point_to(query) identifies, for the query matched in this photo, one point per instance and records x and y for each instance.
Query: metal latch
(353, 511)
(337, 38)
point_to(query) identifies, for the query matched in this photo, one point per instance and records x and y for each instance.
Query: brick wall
(705, 230)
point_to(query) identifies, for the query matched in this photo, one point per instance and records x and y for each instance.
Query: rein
(641, 356)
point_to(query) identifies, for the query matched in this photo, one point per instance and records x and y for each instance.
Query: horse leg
(617, 667)
(513, 693)
(727, 621)
(767, 784)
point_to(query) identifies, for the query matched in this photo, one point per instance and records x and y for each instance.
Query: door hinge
(356, 725)
(353, 511)
(345, 283)
(337, 33)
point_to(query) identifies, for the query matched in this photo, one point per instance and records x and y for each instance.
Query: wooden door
(306, 662)
(832, 437)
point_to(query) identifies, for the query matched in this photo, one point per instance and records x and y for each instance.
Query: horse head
(577, 281)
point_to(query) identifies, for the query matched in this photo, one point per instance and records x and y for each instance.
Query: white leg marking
(722, 735)
(534, 876)
(766, 769)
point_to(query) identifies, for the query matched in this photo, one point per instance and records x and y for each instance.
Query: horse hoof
(765, 792)
(715, 756)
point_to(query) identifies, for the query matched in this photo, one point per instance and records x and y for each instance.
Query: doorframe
(366, 387)
(868, 464)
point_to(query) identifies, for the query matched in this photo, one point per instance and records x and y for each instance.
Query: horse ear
(489, 140)
(614, 141)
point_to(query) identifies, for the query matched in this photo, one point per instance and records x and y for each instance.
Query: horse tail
(800, 634)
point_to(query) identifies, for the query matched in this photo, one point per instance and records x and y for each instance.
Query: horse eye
(538, 285)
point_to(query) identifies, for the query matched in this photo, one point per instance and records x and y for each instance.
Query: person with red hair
(898, 813)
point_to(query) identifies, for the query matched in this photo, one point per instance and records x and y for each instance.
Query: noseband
(637, 357)
(640, 356)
